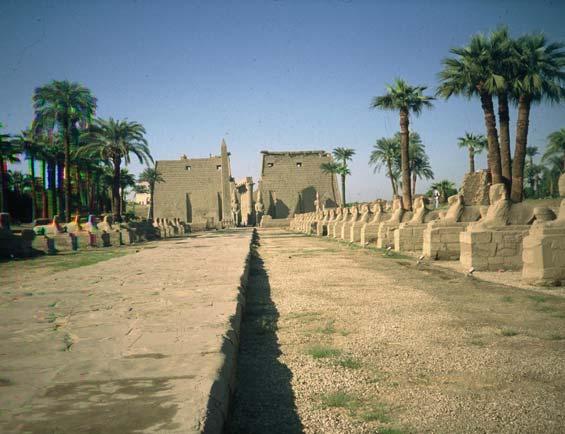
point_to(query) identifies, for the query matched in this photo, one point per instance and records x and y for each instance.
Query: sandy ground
(344, 340)
(131, 344)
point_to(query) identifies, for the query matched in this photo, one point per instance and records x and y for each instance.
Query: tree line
(80, 157)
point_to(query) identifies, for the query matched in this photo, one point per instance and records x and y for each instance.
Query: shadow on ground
(264, 401)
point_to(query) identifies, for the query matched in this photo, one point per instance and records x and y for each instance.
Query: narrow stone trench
(264, 401)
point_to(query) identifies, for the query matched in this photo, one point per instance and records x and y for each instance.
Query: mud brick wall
(290, 180)
(191, 191)
(493, 250)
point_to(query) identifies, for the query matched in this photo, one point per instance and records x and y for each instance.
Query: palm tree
(420, 166)
(343, 156)
(113, 141)
(386, 152)
(334, 168)
(64, 105)
(470, 73)
(28, 143)
(540, 76)
(445, 187)
(475, 143)
(405, 99)
(556, 148)
(152, 176)
(127, 180)
(8, 154)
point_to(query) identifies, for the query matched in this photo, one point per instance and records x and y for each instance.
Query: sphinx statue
(385, 236)
(543, 252)
(409, 236)
(337, 219)
(370, 230)
(356, 226)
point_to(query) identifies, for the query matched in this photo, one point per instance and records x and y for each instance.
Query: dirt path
(344, 340)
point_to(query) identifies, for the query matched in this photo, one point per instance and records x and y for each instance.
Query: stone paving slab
(133, 344)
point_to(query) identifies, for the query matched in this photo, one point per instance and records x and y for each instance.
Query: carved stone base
(442, 242)
(492, 250)
(369, 234)
(409, 237)
(386, 234)
(544, 257)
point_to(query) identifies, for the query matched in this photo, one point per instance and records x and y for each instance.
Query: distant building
(290, 180)
(142, 198)
(196, 190)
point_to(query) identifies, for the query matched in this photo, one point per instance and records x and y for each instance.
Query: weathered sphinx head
(455, 209)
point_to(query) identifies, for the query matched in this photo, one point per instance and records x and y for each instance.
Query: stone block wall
(442, 242)
(544, 258)
(409, 238)
(290, 180)
(492, 250)
(475, 188)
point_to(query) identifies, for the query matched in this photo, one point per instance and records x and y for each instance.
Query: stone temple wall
(193, 190)
(290, 180)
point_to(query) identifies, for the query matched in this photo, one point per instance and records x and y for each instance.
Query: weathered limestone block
(544, 247)
(495, 241)
(345, 215)
(441, 236)
(357, 226)
(332, 217)
(369, 231)
(409, 237)
(323, 222)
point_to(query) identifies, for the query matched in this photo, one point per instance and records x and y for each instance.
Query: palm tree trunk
(89, 191)
(67, 146)
(522, 124)
(504, 120)
(116, 199)
(413, 183)
(44, 205)
(471, 159)
(343, 189)
(394, 190)
(492, 137)
(60, 187)
(405, 160)
(52, 186)
(33, 191)
(3, 186)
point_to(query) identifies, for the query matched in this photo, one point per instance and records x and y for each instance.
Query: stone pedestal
(409, 237)
(493, 249)
(44, 244)
(442, 242)
(544, 256)
(385, 235)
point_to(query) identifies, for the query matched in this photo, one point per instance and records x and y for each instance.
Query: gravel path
(344, 340)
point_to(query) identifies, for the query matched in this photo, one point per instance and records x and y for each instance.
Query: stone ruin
(499, 235)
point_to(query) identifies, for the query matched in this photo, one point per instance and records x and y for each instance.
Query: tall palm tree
(420, 166)
(540, 76)
(113, 141)
(28, 143)
(405, 99)
(8, 154)
(333, 168)
(556, 148)
(502, 62)
(343, 156)
(470, 73)
(386, 151)
(152, 176)
(474, 143)
(64, 105)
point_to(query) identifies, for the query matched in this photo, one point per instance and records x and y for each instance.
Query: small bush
(508, 332)
(323, 351)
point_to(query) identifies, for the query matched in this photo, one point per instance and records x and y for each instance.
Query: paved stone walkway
(128, 345)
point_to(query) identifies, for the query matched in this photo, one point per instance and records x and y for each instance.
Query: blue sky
(277, 75)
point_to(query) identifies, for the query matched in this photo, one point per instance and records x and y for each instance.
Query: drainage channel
(264, 400)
